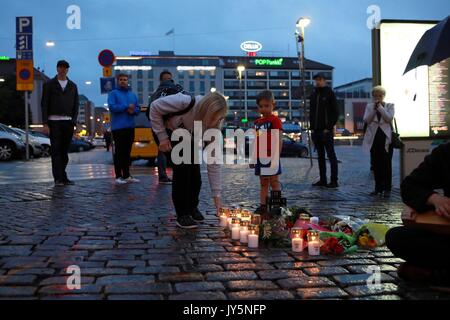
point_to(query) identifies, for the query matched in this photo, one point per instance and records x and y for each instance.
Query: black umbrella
(433, 47)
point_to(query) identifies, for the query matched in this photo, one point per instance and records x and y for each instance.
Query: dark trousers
(162, 165)
(123, 142)
(325, 142)
(108, 144)
(419, 247)
(382, 162)
(61, 133)
(186, 185)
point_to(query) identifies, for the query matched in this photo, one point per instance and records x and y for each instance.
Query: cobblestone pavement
(125, 241)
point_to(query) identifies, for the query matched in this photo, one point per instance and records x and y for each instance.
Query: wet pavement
(125, 242)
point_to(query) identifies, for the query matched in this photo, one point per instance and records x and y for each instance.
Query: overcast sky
(337, 36)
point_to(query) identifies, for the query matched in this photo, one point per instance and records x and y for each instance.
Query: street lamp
(240, 70)
(213, 89)
(88, 83)
(50, 44)
(301, 24)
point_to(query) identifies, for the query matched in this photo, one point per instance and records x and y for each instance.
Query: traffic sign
(106, 58)
(107, 72)
(24, 38)
(107, 85)
(24, 75)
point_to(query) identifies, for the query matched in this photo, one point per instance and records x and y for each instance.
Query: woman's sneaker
(186, 222)
(197, 216)
(120, 181)
(130, 179)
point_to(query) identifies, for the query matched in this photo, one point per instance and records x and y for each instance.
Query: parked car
(292, 148)
(42, 139)
(80, 145)
(11, 146)
(34, 145)
(99, 142)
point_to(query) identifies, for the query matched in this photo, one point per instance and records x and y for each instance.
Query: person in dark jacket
(60, 103)
(426, 253)
(323, 118)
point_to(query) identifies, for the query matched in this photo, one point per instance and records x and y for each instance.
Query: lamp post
(302, 23)
(241, 69)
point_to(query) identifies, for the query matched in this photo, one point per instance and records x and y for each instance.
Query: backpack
(168, 88)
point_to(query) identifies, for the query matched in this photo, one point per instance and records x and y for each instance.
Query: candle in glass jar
(297, 240)
(244, 231)
(256, 219)
(223, 221)
(235, 229)
(253, 237)
(313, 243)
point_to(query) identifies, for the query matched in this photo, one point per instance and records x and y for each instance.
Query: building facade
(239, 78)
(354, 97)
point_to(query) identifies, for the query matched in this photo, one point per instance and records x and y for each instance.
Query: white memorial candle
(223, 221)
(314, 220)
(244, 235)
(253, 241)
(297, 244)
(235, 232)
(314, 248)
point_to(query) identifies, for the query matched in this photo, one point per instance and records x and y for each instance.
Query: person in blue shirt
(124, 107)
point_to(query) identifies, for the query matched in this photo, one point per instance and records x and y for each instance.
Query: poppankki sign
(269, 62)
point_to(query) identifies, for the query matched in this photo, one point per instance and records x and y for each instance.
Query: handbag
(396, 142)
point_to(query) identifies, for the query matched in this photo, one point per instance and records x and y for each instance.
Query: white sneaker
(130, 179)
(120, 181)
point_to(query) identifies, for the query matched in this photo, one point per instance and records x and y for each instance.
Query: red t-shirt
(267, 124)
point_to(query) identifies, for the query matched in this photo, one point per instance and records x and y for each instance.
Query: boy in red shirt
(268, 166)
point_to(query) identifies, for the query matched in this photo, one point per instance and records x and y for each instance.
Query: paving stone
(295, 265)
(111, 280)
(280, 274)
(324, 271)
(202, 268)
(158, 288)
(13, 291)
(155, 270)
(231, 275)
(305, 282)
(389, 260)
(32, 271)
(251, 285)
(199, 286)
(135, 297)
(364, 290)
(180, 277)
(261, 295)
(199, 296)
(344, 262)
(391, 297)
(103, 271)
(354, 279)
(17, 280)
(248, 266)
(273, 259)
(227, 260)
(82, 297)
(63, 280)
(20, 264)
(13, 251)
(367, 268)
(321, 293)
(63, 289)
(125, 264)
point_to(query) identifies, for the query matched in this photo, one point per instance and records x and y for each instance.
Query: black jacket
(56, 102)
(323, 109)
(432, 174)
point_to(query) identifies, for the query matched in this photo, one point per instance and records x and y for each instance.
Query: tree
(11, 103)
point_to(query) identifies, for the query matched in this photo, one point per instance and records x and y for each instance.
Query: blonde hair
(212, 106)
(379, 89)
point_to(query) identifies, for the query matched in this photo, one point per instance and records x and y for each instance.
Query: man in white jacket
(180, 111)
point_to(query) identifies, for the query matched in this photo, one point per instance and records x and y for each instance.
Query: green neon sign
(5, 58)
(244, 120)
(269, 62)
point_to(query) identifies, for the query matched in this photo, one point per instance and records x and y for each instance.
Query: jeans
(382, 162)
(325, 142)
(123, 142)
(61, 133)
